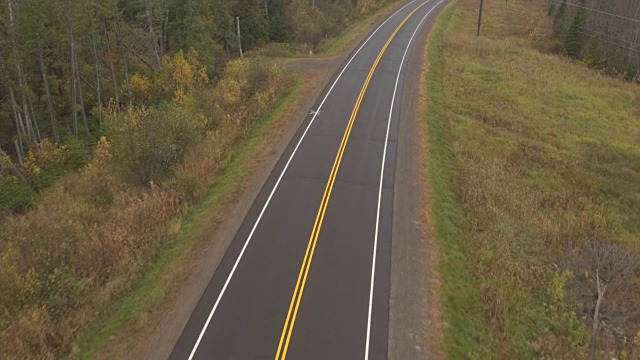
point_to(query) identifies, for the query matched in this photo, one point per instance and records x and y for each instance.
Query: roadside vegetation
(117, 119)
(604, 34)
(535, 174)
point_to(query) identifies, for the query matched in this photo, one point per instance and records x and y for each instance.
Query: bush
(149, 143)
(14, 196)
(309, 25)
(91, 236)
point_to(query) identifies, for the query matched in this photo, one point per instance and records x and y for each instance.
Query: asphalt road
(307, 274)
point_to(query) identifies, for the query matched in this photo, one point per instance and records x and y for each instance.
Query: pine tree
(574, 42)
(278, 22)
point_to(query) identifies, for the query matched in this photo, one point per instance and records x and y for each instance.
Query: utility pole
(239, 39)
(479, 17)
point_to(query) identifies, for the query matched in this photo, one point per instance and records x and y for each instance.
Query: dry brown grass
(534, 155)
(146, 333)
(93, 235)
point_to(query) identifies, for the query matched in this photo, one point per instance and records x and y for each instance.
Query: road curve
(307, 274)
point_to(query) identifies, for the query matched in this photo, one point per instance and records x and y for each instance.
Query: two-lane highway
(307, 274)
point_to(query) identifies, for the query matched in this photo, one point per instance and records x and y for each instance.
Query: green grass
(459, 292)
(531, 154)
(168, 270)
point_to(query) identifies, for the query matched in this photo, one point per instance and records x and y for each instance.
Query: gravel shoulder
(154, 336)
(415, 325)
(415, 321)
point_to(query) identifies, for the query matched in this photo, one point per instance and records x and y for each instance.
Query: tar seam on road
(235, 265)
(384, 157)
(308, 257)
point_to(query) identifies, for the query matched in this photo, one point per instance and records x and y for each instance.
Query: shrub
(149, 143)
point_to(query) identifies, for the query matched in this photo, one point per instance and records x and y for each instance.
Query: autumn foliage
(96, 230)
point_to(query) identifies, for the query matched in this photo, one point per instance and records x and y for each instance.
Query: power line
(594, 34)
(598, 11)
(624, 41)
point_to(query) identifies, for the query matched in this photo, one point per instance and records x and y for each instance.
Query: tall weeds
(93, 233)
(535, 160)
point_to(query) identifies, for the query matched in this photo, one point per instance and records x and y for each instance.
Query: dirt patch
(311, 64)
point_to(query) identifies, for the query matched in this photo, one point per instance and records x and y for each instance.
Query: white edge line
(384, 157)
(224, 288)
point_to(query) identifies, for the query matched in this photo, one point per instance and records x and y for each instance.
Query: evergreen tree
(574, 42)
(560, 16)
(277, 21)
(254, 28)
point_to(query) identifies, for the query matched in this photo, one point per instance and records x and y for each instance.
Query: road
(307, 274)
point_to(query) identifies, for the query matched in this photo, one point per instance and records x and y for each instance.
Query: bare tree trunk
(45, 80)
(114, 79)
(26, 122)
(163, 45)
(19, 151)
(29, 114)
(19, 126)
(35, 121)
(602, 288)
(31, 135)
(98, 88)
(152, 35)
(74, 110)
(124, 53)
(81, 96)
(30, 131)
(11, 167)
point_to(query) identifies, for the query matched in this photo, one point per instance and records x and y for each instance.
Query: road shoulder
(153, 335)
(415, 322)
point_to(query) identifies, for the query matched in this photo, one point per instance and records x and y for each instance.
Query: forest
(64, 63)
(604, 33)
(116, 116)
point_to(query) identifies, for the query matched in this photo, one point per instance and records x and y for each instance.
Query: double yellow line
(311, 247)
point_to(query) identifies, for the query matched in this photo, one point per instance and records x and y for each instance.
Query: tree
(253, 23)
(277, 21)
(608, 274)
(574, 40)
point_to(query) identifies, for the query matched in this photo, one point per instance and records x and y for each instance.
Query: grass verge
(169, 270)
(533, 159)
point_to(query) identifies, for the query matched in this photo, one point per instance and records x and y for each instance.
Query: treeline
(604, 33)
(115, 117)
(64, 62)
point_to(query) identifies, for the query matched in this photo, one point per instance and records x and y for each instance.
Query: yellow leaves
(103, 150)
(231, 91)
(179, 96)
(186, 71)
(112, 108)
(182, 74)
(636, 339)
(558, 284)
(140, 85)
(367, 6)
(46, 154)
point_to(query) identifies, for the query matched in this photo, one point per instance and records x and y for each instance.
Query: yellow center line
(308, 256)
